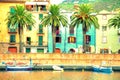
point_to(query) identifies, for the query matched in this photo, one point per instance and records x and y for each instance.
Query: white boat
(57, 68)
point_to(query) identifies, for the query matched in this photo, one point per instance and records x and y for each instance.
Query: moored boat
(105, 69)
(57, 68)
(18, 68)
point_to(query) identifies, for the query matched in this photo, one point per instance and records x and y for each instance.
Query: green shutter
(30, 28)
(40, 28)
(12, 38)
(40, 50)
(27, 50)
(40, 40)
(12, 10)
(40, 16)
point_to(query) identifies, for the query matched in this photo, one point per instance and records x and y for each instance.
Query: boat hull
(16, 68)
(102, 69)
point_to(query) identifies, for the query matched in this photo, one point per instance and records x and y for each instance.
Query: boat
(18, 68)
(57, 68)
(105, 69)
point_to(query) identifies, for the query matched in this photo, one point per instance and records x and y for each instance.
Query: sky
(56, 1)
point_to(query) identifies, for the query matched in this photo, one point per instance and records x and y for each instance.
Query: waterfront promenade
(69, 61)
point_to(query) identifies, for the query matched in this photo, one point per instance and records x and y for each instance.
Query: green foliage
(83, 16)
(54, 18)
(20, 17)
(98, 4)
(115, 21)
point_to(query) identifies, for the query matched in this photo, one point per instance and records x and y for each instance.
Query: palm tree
(114, 22)
(22, 18)
(54, 19)
(83, 15)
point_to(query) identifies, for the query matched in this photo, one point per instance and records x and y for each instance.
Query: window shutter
(40, 40)
(40, 28)
(12, 10)
(12, 38)
(40, 16)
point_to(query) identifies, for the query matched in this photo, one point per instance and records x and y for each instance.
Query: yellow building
(107, 39)
(34, 38)
(7, 44)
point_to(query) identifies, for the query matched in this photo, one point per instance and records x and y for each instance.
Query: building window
(71, 39)
(43, 7)
(88, 39)
(12, 38)
(104, 28)
(40, 16)
(104, 51)
(29, 27)
(57, 31)
(104, 39)
(40, 50)
(71, 31)
(29, 40)
(40, 40)
(28, 50)
(58, 39)
(104, 17)
(12, 9)
(40, 28)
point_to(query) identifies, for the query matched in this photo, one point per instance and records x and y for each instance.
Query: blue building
(69, 39)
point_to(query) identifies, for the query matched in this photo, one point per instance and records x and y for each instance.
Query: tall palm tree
(83, 15)
(54, 19)
(22, 18)
(114, 22)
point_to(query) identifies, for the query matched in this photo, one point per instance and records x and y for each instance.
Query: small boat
(57, 68)
(104, 69)
(18, 68)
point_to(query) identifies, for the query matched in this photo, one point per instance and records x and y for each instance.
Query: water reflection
(57, 75)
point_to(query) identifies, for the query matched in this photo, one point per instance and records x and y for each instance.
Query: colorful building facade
(34, 38)
(9, 38)
(69, 40)
(107, 39)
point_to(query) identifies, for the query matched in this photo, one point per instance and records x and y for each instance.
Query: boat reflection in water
(57, 75)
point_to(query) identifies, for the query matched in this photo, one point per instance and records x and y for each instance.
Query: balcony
(35, 44)
(12, 31)
(12, 42)
(58, 34)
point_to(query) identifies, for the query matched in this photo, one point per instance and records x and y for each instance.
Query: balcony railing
(35, 43)
(12, 31)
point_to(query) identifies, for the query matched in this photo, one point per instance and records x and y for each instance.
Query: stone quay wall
(62, 59)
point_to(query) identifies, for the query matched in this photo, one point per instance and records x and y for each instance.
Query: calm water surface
(57, 75)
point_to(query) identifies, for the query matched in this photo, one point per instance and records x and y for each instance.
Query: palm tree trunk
(84, 36)
(20, 39)
(54, 36)
(84, 42)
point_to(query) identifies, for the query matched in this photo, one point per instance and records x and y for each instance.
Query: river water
(57, 75)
